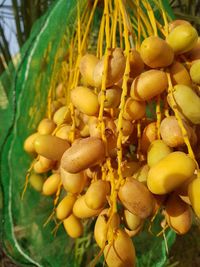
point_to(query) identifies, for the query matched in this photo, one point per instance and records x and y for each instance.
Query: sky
(7, 22)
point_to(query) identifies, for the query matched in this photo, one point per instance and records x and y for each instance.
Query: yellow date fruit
(60, 90)
(182, 38)
(148, 135)
(83, 154)
(29, 143)
(136, 64)
(141, 174)
(188, 102)
(173, 24)
(64, 132)
(178, 214)
(122, 252)
(132, 221)
(136, 198)
(103, 229)
(194, 195)
(132, 233)
(50, 147)
(170, 172)
(127, 127)
(46, 126)
(171, 132)
(116, 67)
(129, 168)
(36, 181)
(156, 53)
(73, 182)
(112, 97)
(81, 210)
(148, 85)
(87, 64)
(195, 72)
(64, 208)
(73, 226)
(43, 165)
(62, 115)
(182, 191)
(95, 196)
(134, 109)
(85, 100)
(157, 151)
(51, 184)
(194, 53)
(179, 74)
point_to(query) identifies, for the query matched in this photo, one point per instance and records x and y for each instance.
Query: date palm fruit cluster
(121, 134)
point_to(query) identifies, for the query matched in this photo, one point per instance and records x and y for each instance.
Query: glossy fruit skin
(177, 22)
(141, 174)
(148, 135)
(78, 157)
(183, 190)
(136, 64)
(46, 126)
(148, 85)
(132, 221)
(73, 182)
(51, 184)
(171, 132)
(134, 109)
(185, 95)
(136, 198)
(102, 231)
(157, 151)
(170, 172)
(194, 195)
(29, 143)
(116, 67)
(182, 38)
(179, 74)
(178, 214)
(156, 53)
(95, 196)
(81, 210)
(194, 53)
(90, 105)
(87, 64)
(62, 115)
(36, 181)
(194, 72)
(122, 252)
(73, 226)
(50, 146)
(112, 97)
(65, 207)
(43, 165)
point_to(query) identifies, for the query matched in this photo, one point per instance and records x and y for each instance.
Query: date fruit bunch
(120, 140)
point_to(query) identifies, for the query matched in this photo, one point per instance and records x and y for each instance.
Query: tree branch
(20, 38)
(4, 45)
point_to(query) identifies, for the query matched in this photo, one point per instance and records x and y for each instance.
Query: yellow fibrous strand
(139, 135)
(158, 116)
(151, 16)
(105, 70)
(124, 92)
